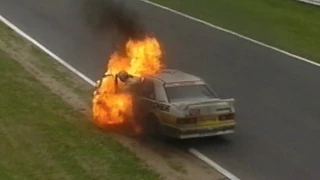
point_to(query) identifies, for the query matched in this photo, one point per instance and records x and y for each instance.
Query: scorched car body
(180, 105)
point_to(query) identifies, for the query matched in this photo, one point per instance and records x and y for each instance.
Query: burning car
(179, 105)
(137, 89)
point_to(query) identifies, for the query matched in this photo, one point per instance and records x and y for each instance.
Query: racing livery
(180, 105)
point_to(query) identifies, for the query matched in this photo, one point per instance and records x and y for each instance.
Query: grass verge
(287, 24)
(43, 136)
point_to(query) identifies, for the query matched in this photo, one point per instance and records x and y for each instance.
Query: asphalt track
(278, 111)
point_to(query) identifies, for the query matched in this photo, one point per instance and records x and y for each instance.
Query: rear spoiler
(216, 106)
(230, 102)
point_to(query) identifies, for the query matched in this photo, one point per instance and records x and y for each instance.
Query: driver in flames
(130, 81)
(131, 85)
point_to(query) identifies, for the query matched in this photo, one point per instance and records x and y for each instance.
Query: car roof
(173, 75)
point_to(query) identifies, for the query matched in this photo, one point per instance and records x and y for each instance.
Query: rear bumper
(197, 133)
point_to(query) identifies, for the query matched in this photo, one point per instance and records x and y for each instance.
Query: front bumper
(197, 133)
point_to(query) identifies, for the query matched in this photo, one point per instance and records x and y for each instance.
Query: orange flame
(142, 58)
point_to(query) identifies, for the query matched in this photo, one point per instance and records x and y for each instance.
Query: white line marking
(231, 32)
(313, 2)
(74, 70)
(64, 63)
(213, 164)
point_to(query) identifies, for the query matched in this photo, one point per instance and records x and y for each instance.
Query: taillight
(226, 117)
(186, 121)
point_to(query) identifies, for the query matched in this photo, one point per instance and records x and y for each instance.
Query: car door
(146, 97)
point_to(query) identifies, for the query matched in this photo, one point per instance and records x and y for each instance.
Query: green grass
(15, 44)
(286, 24)
(42, 137)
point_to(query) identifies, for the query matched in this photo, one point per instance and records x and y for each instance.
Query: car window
(188, 92)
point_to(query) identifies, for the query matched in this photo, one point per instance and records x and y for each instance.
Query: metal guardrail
(314, 2)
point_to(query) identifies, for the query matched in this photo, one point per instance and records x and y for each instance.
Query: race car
(179, 105)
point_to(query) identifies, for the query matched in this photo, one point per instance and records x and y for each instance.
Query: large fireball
(141, 58)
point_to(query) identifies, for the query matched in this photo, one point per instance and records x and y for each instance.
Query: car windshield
(187, 92)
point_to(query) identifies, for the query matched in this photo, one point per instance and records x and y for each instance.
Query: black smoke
(108, 15)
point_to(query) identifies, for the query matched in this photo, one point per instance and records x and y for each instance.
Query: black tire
(153, 127)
